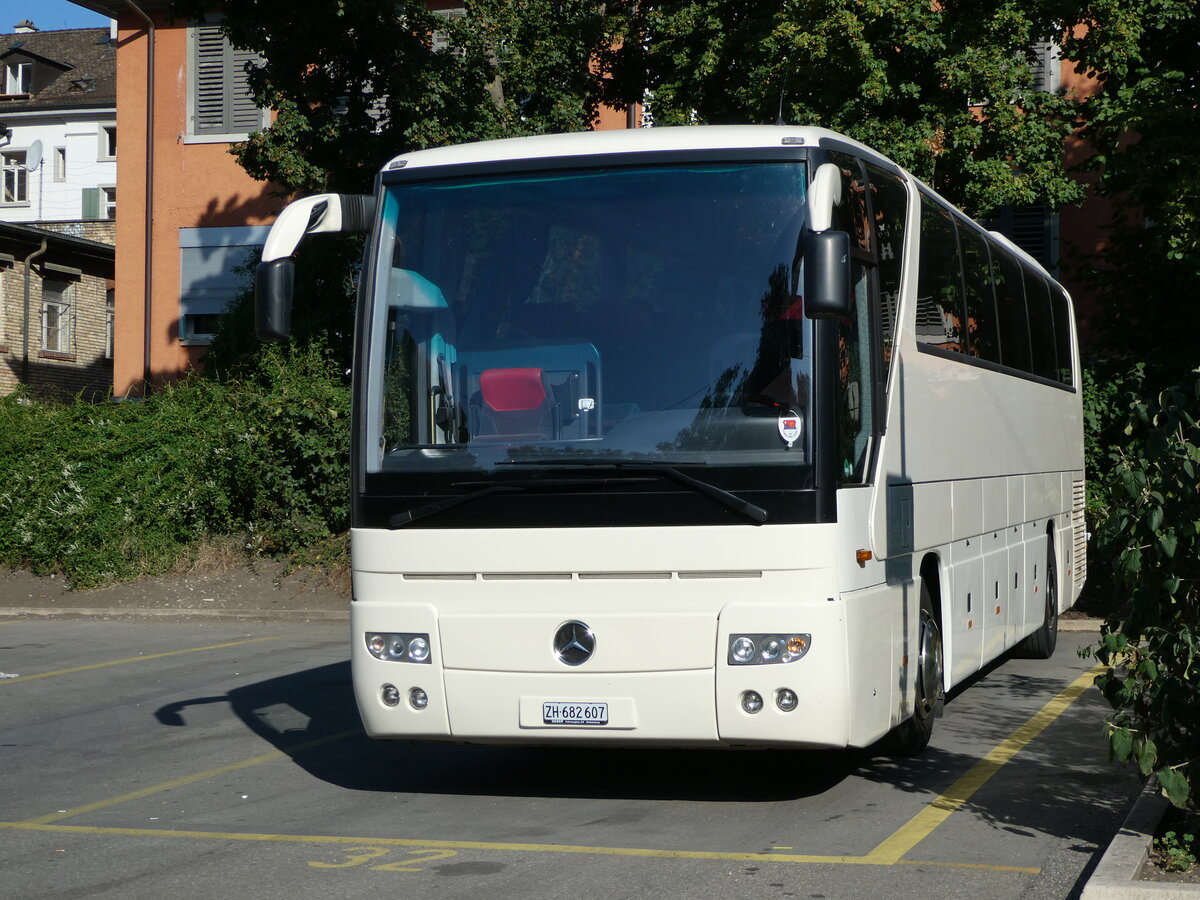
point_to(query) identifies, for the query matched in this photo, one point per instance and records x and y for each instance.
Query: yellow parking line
(928, 819)
(134, 659)
(188, 779)
(1024, 870)
(448, 845)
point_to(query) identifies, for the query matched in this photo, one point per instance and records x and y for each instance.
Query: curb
(1079, 624)
(1116, 877)
(289, 615)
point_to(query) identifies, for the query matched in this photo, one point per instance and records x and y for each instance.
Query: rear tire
(1041, 644)
(912, 736)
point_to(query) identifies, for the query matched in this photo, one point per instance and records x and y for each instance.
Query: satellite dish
(33, 156)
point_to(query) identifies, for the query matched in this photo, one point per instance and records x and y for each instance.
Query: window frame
(106, 150)
(64, 323)
(20, 74)
(16, 168)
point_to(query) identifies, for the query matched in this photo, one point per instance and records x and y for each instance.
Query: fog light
(786, 699)
(418, 699)
(752, 702)
(390, 694)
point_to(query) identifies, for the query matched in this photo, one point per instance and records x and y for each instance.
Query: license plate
(567, 713)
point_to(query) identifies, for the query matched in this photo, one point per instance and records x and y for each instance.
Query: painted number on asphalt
(358, 856)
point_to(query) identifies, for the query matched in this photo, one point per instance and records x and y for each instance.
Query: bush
(109, 492)
(1151, 528)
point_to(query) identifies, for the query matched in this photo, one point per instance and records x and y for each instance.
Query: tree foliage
(1153, 533)
(1142, 123)
(946, 89)
(354, 83)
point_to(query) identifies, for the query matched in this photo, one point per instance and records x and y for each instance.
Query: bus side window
(1060, 304)
(939, 285)
(1041, 325)
(983, 337)
(1014, 319)
(889, 200)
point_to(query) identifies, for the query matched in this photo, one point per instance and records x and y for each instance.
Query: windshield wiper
(730, 501)
(432, 509)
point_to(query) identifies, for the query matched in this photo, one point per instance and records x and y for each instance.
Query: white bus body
(703, 512)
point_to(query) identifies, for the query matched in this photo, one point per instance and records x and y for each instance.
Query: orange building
(189, 211)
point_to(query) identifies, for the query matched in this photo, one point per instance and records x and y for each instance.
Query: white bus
(693, 436)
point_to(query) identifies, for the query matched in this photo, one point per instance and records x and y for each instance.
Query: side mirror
(826, 274)
(273, 282)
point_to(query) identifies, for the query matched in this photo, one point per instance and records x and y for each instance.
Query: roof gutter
(149, 213)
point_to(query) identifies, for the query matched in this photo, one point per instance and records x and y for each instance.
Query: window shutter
(221, 94)
(91, 203)
(244, 114)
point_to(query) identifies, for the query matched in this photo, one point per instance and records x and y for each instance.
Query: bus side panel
(969, 624)
(875, 631)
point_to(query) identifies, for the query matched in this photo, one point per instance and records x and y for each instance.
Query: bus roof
(632, 140)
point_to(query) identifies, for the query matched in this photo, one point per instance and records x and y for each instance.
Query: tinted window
(890, 205)
(1010, 303)
(939, 289)
(1041, 325)
(1060, 306)
(983, 331)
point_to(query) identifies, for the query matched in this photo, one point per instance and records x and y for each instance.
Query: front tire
(912, 736)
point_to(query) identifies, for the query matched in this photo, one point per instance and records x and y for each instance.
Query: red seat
(516, 405)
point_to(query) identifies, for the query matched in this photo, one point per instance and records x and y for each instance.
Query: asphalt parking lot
(155, 758)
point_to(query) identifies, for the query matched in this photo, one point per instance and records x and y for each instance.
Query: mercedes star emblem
(574, 643)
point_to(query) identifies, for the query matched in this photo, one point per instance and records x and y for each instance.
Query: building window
(214, 266)
(108, 142)
(108, 203)
(109, 320)
(18, 78)
(60, 163)
(56, 315)
(16, 177)
(221, 106)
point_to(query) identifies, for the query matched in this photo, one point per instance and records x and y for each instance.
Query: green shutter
(91, 203)
(222, 103)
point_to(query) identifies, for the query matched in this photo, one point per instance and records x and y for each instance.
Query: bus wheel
(911, 737)
(1041, 644)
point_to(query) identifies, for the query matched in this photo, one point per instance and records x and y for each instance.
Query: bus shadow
(311, 716)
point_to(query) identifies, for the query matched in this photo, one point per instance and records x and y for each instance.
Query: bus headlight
(767, 649)
(399, 646)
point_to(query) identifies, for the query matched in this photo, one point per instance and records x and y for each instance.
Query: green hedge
(107, 492)
(1144, 462)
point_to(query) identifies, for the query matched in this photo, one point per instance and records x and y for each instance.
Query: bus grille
(1079, 525)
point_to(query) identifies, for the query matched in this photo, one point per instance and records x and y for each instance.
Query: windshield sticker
(789, 427)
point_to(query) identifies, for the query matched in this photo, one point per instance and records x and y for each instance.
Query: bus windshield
(616, 314)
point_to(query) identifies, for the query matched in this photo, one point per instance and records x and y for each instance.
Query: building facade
(58, 149)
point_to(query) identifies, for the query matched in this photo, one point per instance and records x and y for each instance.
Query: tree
(946, 89)
(1142, 123)
(354, 83)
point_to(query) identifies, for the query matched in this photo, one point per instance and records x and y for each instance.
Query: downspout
(25, 337)
(149, 213)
